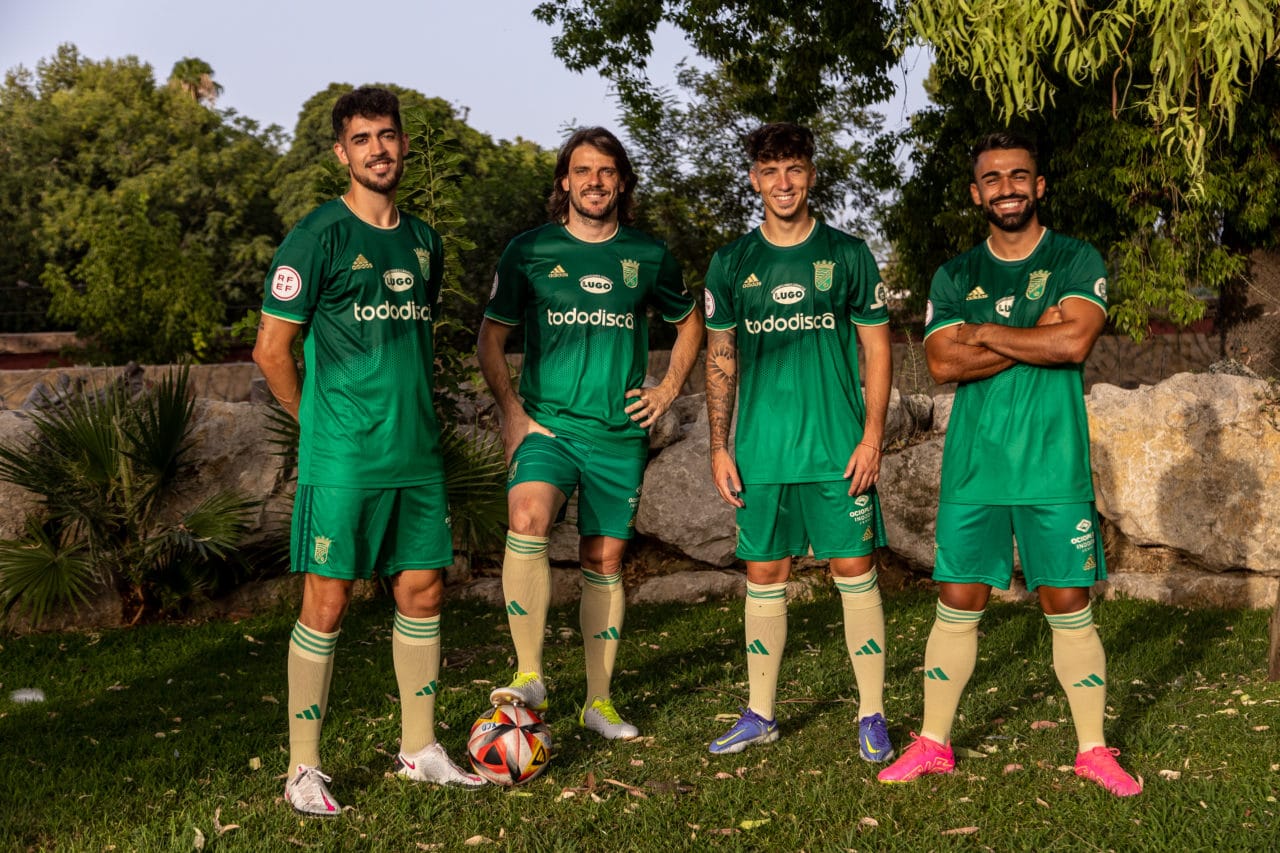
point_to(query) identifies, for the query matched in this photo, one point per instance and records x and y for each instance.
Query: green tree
(195, 77)
(108, 468)
(80, 139)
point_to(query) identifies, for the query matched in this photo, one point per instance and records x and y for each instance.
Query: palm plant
(109, 470)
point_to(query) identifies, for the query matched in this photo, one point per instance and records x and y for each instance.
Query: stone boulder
(908, 487)
(1192, 464)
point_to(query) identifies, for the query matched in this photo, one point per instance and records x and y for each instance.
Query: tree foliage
(1184, 66)
(141, 210)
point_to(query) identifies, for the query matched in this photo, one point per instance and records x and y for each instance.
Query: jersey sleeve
(296, 278)
(1088, 278)
(944, 303)
(671, 296)
(717, 297)
(869, 303)
(510, 289)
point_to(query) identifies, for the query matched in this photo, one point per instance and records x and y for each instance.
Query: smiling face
(373, 152)
(1007, 188)
(593, 184)
(784, 186)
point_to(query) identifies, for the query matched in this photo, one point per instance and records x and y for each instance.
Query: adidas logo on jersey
(976, 293)
(361, 263)
(558, 272)
(751, 281)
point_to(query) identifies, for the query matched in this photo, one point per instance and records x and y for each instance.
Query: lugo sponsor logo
(598, 317)
(787, 294)
(387, 311)
(1004, 306)
(398, 280)
(796, 323)
(595, 284)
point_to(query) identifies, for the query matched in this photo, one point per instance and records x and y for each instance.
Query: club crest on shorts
(424, 263)
(631, 273)
(321, 552)
(823, 273)
(1036, 282)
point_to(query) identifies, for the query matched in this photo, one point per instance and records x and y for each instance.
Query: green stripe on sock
(417, 629)
(313, 641)
(597, 579)
(957, 617)
(1071, 621)
(528, 546)
(767, 592)
(857, 585)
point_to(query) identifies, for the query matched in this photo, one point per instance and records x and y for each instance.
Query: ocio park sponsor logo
(398, 280)
(796, 323)
(598, 317)
(410, 311)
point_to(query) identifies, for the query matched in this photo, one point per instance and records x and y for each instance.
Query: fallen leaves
(1042, 725)
(1170, 775)
(960, 830)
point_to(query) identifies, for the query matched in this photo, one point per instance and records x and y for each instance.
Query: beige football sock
(949, 658)
(600, 614)
(526, 586)
(766, 632)
(415, 654)
(864, 635)
(1081, 665)
(310, 672)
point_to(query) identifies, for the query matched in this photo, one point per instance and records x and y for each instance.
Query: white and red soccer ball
(509, 745)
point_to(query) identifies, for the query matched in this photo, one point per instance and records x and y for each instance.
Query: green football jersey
(1021, 436)
(368, 297)
(795, 309)
(586, 334)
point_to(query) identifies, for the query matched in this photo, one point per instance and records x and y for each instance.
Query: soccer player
(580, 286)
(361, 282)
(787, 306)
(1012, 321)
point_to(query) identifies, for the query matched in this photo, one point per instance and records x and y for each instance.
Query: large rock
(1191, 464)
(908, 490)
(232, 450)
(681, 507)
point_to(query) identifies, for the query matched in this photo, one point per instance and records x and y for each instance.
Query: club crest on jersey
(823, 272)
(286, 284)
(398, 281)
(321, 552)
(631, 273)
(1004, 306)
(787, 294)
(1036, 282)
(424, 263)
(596, 283)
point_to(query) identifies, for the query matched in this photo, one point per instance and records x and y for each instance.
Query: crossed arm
(1064, 334)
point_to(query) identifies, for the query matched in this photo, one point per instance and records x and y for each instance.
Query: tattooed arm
(722, 391)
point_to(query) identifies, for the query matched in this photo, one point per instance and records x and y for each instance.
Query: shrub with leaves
(110, 469)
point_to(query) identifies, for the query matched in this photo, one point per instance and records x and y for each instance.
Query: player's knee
(529, 518)
(419, 594)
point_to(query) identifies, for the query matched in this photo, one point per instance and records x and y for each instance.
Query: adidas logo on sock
(936, 674)
(362, 263)
(1092, 681)
(312, 713)
(610, 633)
(757, 648)
(430, 690)
(751, 281)
(558, 272)
(514, 609)
(870, 647)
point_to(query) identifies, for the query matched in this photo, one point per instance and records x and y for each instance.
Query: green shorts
(610, 479)
(786, 519)
(355, 533)
(1058, 545)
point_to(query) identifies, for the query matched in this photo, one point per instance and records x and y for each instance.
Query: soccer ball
(509, 745)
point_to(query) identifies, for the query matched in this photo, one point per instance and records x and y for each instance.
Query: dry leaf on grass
(960, 830)
(1041, 725)
(723, 775)
(217, 823)
(477, 840)
(1012, 768)
(753, 824)
(630, 789)
(869, 822)
(1171, 775)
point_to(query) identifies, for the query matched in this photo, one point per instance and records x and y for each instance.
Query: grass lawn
(173, 738)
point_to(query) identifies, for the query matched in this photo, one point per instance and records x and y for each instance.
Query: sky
(490, 58)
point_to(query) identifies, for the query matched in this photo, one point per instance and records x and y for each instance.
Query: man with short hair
(580, 286)
(787, 306)
(1012, 321)
(361, 281)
